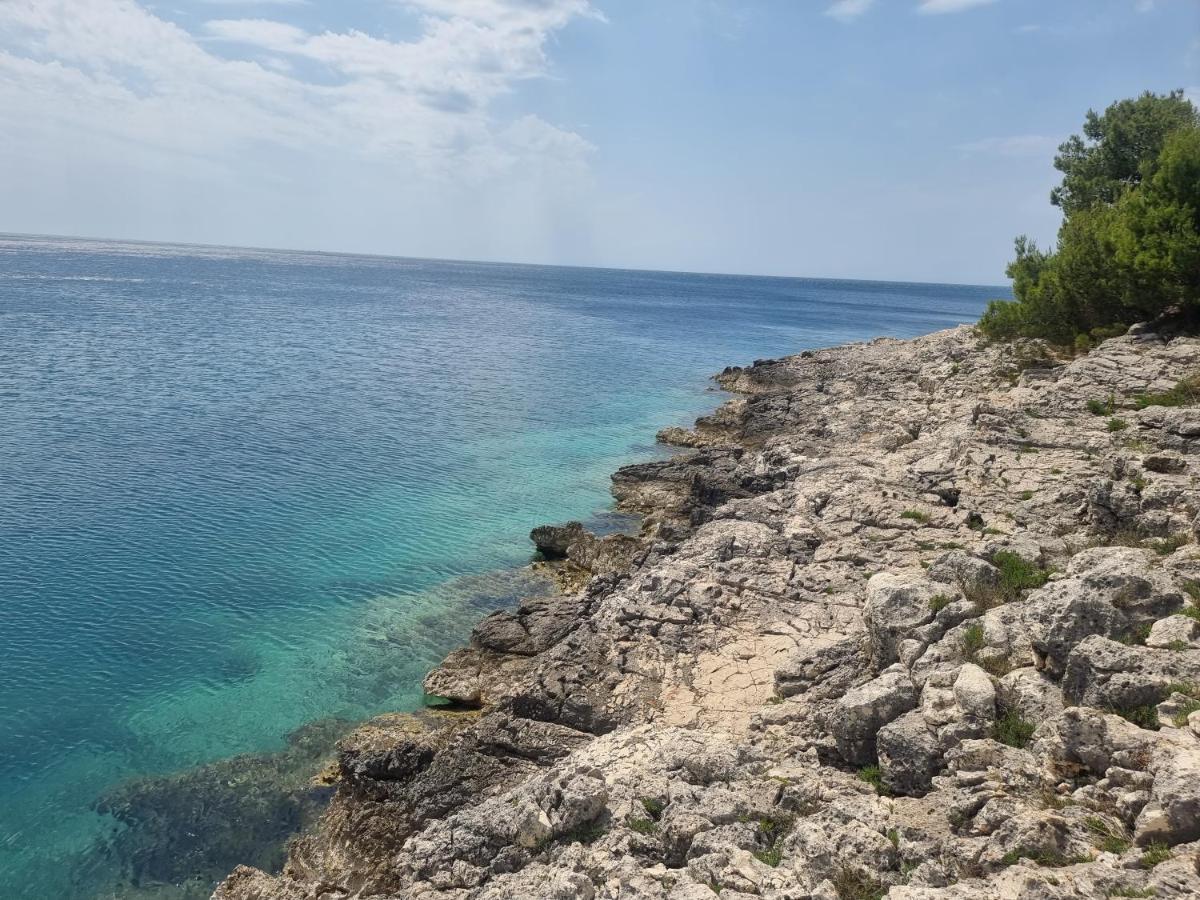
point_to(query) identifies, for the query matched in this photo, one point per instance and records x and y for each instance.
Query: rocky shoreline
(905, 618)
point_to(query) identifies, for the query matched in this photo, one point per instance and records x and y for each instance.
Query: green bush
(1185, 393)
(1012, 729)
(1129, 245)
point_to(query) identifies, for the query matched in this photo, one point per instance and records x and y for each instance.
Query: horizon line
(487, 262)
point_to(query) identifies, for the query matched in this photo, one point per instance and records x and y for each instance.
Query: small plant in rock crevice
(642, 826)
(939, 602)
(1108, 837)
(1184, 393)
(1114, 424)
(853, 884)
(1145, 716)
(772, 831)
(1153, 855)
(873, 776)
(1012, 729)
(1180, 719)
(973, 640)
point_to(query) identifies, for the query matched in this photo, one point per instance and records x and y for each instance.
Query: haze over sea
(241, 490)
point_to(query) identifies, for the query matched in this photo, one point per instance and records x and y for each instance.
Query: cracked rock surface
(914, 619)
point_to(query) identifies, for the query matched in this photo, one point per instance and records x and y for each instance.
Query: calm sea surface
(243, 490)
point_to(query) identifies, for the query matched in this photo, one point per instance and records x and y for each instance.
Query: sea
(249, 497)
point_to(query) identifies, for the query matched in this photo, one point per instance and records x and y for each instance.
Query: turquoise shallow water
(242, 490)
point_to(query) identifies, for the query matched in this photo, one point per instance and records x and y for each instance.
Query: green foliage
(1108, 837)
(1016, 574)
(1130, 892)
(1050, 858)
(853, 884)
(653, 807)
(772, 831)
(1102, 407)
(1115, 424)
(587, 833)
(873, 776)
(939, 602)
(1026, 495)
(1184, 393)
(642, 826)
(1180, 718)
(1116, 148)
(1012, 729)
(1129, 245)
(1168, 545)
(915, 515)
(973, 640)
(1145, 716)
(1155, 853)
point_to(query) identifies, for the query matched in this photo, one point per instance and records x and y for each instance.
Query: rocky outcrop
(905, 618)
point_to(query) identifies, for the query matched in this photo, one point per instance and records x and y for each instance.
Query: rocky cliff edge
(914, 619)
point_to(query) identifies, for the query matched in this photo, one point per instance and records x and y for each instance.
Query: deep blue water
(241, 490)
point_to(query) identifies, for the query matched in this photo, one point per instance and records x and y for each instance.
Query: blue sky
(907, 139)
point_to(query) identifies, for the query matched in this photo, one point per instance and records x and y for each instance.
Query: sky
(893, 139)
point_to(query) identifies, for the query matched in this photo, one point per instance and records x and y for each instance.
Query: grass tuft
(1106, 836)
(1013, 730)
(873, 776)
(1184, 393)
(853, 884)
(1154, 854)
(1145, 716)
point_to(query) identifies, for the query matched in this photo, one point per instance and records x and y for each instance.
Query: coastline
(860, 569)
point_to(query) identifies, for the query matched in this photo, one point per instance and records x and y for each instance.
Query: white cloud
(849, 10)
(937, 7)
(112, 70)
(1038, 145)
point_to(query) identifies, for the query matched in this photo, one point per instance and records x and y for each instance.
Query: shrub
(852, 884)
(915, 515)
(1168, 545)
(1115, 424)
(641, 826)
(1012, 729)
(1102, 407)
(939, 602)
(653, 807)
(1129, 245)
(973, 640)
(1185, 393)
(1145, 716)
(874, 777)
(1155, 853)
(1051, 858)
(1016, 574)
(1108, 837)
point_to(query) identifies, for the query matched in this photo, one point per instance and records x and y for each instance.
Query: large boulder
(553, 541)
(895, 606)
(909, 755)
(1112, 675)
(862, 711)
(1109, 591)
